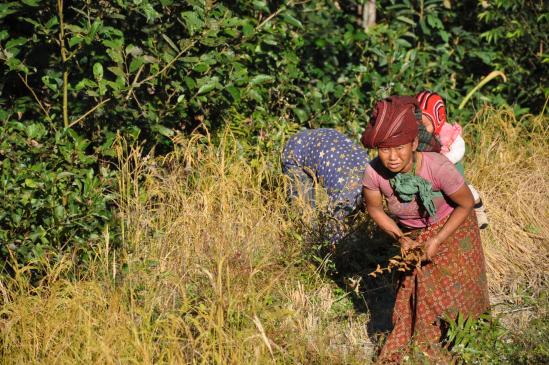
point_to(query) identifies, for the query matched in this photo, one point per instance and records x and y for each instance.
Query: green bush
(156, 66)
(53, 201)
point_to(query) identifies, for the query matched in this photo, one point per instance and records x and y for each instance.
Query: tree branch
(64, 59)
(168, 65)
(24, 79)
(88, 113)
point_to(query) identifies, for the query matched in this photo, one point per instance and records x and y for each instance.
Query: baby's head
(433, 111)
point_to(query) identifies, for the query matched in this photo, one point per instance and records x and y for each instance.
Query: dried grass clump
(507, 161)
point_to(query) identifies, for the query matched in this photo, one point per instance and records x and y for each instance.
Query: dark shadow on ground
(354, 258)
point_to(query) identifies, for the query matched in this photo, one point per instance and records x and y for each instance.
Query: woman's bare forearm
(386, 223)
(457, 217)
(464, 201)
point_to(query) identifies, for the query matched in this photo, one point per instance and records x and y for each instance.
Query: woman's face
(399, 158)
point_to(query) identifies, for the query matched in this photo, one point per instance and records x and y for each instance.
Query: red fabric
(455, 281)
(433, 107)
(394, 123)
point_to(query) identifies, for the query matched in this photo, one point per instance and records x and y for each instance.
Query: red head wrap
(393, 123)
(432, 106)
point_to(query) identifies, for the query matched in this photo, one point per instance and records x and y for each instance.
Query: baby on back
(449, 136)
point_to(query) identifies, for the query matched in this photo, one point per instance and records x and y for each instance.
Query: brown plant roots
(405, 262)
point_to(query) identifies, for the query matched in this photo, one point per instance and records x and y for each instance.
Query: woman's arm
(464, 204)
(374, 205)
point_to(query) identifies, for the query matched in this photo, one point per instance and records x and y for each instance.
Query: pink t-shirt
(436, 169)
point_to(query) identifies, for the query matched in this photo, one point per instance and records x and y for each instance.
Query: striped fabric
(393, 123)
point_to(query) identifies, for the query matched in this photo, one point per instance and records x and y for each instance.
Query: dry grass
(208, 274)
(507, 162)
(211, 269)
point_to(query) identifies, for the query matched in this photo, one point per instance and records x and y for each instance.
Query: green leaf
(207, 84)
(424, 28)
(32, 3)
(166, 132)
(234, 92)
(206, 88)
(94, 28)
(261, 5)
(102, 86)
(260, 79)
(233, 33)
(192, 22)
(133, 50)
(255, 95)
(170, 42)
(136, 63)
(59, 212)
(300, 114)
(7, 9)
(406, 20)
(15, 42)
(75, 40)
(85, 83)
(444, 35)
(292, 21)
(434, 22)
(32, 21)
(35, 131)
(403, 42)
(49, 83)
(31, 183)
(247, 29)
(98, 71)
(53, 22)
(190, 83)
(150, 12)
(201, 67)
(117, 71)
(64, 174)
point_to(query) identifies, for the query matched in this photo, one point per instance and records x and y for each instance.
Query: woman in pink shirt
(432, 208)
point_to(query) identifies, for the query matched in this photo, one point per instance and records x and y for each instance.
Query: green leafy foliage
(177, 65)
(53, 201)
(515, 32)
(487, 341)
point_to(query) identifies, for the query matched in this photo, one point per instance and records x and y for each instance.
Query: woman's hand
(431, 248)
(374, 205)
(406, 244)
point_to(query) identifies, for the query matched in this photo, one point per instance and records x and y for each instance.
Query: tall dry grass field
(508, 162)
(208, 274)
(212, 271)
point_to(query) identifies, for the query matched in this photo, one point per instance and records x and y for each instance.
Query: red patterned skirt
(455, 281)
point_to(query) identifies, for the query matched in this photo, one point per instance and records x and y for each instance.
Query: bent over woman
(433, 208)
(325, 157)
